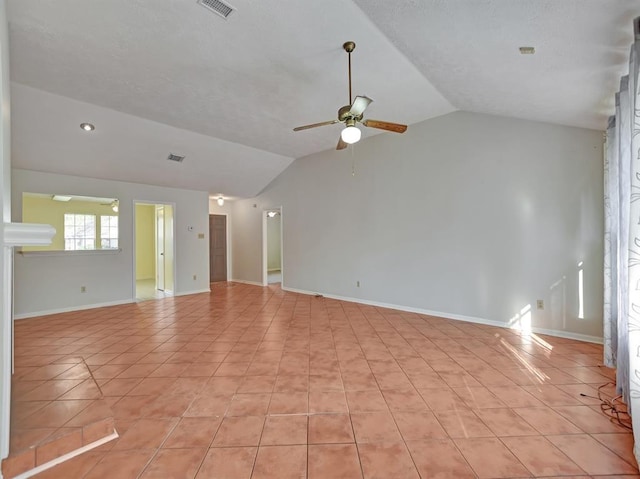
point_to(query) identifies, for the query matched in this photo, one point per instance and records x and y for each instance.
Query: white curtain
(622, 239)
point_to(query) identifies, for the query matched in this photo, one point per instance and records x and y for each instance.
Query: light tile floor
(274, 277)
(250, 382)
(146, 290)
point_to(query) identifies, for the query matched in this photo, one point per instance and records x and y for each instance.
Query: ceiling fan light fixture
(351, 134)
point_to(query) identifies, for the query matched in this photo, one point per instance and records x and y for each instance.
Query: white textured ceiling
(244, 83)
(468, 49)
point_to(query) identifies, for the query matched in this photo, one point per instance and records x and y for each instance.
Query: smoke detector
(217, 7)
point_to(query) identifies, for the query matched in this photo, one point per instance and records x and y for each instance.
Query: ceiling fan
(352, 114)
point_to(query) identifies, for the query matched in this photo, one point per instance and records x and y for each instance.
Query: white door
(160, 248)
(168, 249)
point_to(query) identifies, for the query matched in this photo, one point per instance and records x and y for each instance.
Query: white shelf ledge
(58, 252)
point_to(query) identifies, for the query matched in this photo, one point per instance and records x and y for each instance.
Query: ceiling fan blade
(359, 105)
(341, 144)
(385, 125)
(313, 125)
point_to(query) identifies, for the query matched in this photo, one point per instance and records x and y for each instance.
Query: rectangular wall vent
(176, 158)
(218, 7)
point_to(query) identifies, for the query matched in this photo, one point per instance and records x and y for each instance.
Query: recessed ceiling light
(527, 50)
(87, 126)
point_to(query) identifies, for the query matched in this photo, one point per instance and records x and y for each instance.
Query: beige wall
(145, 242)
(273, 243)
(37, 209)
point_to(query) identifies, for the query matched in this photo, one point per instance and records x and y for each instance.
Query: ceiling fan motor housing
(344, 114)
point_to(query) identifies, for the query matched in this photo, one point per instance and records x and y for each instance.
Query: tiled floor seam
(159, 448)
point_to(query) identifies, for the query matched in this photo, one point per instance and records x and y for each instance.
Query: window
(82, 223)
(108, 232)
(79, 232)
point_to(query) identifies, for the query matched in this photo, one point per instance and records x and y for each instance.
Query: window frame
(75, 237)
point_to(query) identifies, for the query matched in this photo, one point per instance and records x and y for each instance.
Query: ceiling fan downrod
(349, 47)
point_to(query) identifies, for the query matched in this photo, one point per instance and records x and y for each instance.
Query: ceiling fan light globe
(351, 134)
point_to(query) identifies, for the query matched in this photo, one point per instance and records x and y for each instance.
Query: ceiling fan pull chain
(353, 161)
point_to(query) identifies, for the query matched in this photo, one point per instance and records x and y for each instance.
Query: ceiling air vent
(218, 7)
(176, 158)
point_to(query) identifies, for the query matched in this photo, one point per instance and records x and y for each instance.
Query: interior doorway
(217, 248)
(154, 250)
(272, 246)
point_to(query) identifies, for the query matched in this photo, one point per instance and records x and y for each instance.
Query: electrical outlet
(200, 235)
(540, 304)
(357, 284)
(83, 289)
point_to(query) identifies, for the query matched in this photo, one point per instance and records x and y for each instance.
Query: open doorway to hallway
(154, 250)
(272, 246)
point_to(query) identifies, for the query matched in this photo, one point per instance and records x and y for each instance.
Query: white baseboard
(458, 317)
(569, 335)
(195, 291)
(253, 283)
(71, 308)
(94, 305)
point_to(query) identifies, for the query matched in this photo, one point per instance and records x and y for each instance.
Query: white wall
(5, 253)
(273, 243)
(246, 240)
(465, 215)
(46, 283)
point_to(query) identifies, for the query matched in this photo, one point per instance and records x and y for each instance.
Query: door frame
(228, 241)
(160, 258)
(265, 266)
(173, 232)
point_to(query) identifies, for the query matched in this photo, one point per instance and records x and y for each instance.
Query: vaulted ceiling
(229, 91)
